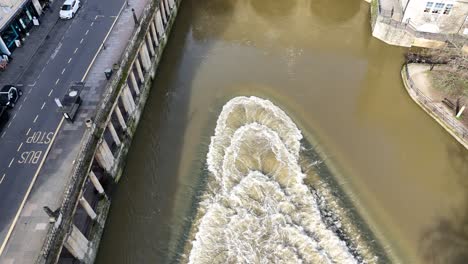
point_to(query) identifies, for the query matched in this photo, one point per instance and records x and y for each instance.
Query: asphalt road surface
(64, 58)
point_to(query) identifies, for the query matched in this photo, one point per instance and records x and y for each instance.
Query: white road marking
(19, 147)
(63, 70)
(87, 31)
(29, 91)
(81, 41)
(56, 82)
(11, 162)
(32, 84)
(42, 107)
(102, 43)
(9, 125)
(112, 16)
(28, 191)
(21, 106)
(56, 51)
(3, 177)
(35, 119)
(51, 90)
(75, 51)
(25, 98)
(69, 60)
(29, 130)
(13, 117)
(3, 134)
(15, 219)
(92, 23)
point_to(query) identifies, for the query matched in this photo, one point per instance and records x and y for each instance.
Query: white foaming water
(257, 208)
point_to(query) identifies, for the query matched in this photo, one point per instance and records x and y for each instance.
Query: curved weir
(257, 208)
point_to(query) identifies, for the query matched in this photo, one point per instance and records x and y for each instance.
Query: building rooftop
(8, 9)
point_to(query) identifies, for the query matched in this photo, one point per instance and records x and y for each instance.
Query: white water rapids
(257, 208)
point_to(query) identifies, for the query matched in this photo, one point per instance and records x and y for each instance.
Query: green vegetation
(451, 82)
(374, 11)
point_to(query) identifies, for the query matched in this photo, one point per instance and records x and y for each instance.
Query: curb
(434, 116)
(28, 62)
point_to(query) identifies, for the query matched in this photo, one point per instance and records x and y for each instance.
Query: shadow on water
(328, 12)
(140, 224)
(447, 240)
(273, 9)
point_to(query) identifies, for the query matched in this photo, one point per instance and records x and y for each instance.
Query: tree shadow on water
(446, 242)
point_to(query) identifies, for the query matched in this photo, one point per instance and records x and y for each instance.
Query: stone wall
(102, 158)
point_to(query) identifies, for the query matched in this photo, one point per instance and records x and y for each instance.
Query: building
(17, 18)
(425, 23)
(437, 16)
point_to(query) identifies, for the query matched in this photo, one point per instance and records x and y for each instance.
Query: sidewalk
(33, 223)
(419, 87)
(23, 55)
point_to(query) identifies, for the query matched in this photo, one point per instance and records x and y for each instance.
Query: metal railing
(437, 110)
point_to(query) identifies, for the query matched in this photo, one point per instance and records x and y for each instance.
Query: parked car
(9, 95)
(69, 9)
(3, 116)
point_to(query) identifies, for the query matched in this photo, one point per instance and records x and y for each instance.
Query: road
(64, 58)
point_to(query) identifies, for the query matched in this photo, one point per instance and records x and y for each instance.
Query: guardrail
(438, 110)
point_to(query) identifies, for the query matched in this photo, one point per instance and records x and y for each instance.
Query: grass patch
(452, 83)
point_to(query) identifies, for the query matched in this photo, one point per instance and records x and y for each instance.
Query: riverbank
(418, 82)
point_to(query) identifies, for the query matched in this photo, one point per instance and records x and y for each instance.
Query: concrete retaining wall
(100, 158)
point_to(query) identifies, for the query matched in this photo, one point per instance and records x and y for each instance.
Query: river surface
(316, 60)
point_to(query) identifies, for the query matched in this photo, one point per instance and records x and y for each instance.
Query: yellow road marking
(12, 226)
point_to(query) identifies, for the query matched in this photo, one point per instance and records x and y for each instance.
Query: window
(438, 7)
(448, 8)
(428, 7)
(66, 7)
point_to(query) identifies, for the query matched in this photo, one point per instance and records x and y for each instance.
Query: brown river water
(317, 61)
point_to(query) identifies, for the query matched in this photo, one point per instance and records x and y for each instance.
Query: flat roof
(8, 9)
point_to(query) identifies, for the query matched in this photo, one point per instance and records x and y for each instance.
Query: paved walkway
(23, 55)
(416, 83)
(33, 223)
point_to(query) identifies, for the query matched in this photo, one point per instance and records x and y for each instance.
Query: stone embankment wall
(108, 137)
(436, 111)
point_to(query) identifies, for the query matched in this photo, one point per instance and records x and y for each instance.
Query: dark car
(3, 116)
(9, 95)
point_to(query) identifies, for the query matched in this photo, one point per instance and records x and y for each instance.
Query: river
(317, 61)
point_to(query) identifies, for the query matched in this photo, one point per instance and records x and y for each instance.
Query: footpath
(23, 55)
(29, 234)
(418, 84)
